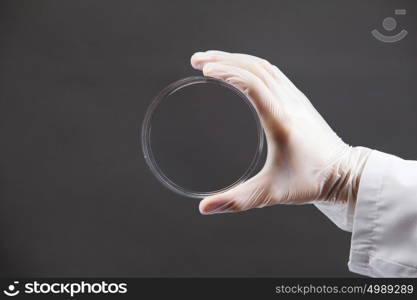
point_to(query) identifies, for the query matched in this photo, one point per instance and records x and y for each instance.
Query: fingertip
(212, 205)
(205, 205)
(198, 60)
(209, 69)
(201, 207)
(206, 68)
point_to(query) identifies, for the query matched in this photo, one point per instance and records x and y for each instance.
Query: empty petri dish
(201, 136)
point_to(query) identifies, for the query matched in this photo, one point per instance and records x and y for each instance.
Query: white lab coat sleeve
(384, 221)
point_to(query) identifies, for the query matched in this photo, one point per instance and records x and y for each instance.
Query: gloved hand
(306, 161)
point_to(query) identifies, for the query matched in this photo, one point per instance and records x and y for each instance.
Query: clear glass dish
(146, 134)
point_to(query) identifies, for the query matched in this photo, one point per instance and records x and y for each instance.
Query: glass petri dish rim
(147, 127)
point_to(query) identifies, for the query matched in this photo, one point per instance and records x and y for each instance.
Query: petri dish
(201, 136)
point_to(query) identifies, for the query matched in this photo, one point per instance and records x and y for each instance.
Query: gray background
(76, 198)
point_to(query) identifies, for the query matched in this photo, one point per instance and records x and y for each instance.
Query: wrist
(343, 183)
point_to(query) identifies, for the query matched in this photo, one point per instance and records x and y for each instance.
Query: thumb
(253, 193)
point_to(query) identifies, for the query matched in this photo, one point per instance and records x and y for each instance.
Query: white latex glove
(306, 160)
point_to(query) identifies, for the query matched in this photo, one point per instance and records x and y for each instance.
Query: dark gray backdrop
(75, 78)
